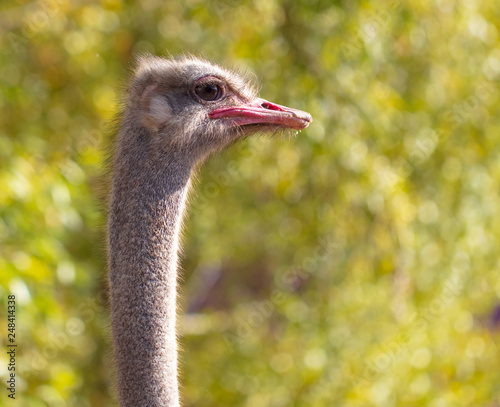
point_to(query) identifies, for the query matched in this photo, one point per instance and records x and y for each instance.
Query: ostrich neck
(147, 202)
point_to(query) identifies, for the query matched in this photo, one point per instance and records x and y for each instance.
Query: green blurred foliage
(354, 265)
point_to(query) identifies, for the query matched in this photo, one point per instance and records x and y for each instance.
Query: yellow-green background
(356, 264)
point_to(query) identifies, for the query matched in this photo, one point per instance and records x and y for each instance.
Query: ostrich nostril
(270, 106)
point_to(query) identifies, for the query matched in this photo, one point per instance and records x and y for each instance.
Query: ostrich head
(190, 105)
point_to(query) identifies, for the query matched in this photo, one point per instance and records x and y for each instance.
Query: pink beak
(260, 111)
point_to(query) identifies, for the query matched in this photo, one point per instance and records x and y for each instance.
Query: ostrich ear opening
(155, 109)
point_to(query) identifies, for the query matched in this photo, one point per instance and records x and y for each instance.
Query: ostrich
(177, 113)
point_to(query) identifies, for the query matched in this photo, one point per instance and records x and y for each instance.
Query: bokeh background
(356, 264)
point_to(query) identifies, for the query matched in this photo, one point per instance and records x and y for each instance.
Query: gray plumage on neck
(168, 127)
(146, 212)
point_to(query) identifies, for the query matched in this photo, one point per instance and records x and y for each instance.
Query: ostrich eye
(208, 91)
